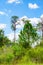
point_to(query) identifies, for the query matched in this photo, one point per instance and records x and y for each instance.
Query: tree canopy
(28, 35)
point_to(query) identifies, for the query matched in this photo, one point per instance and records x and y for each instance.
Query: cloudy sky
(32, 9)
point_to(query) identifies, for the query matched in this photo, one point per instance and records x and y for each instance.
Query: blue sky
(33, 9)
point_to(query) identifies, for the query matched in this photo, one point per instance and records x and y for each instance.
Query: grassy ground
(24, 63)
(8, 55)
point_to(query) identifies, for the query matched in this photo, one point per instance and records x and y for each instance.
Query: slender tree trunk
(14, 36)
(14, 32)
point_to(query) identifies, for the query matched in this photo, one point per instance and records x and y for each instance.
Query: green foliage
(7, 41)
(36, 54)
(18, 51)
(41, 43)
(13, 21)
(28, 35)
(6, 54)
(1, 38)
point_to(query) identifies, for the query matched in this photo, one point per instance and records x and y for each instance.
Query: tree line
(11, 51)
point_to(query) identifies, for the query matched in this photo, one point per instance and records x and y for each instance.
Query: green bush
(36, 54)
(18, 51)
(6, 54)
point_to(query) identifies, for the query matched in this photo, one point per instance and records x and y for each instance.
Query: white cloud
(21, 22)
(25, 17)
(16, 1)
(18, 26)
(33, 6)
(2, 26)
(3, 13)
(11, 36)
(41, 15)
(34, 20)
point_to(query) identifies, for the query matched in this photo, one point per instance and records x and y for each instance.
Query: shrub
(6, 54)
(36, 54)
(18, 51)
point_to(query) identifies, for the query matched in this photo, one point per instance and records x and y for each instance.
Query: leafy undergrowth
(17, 55)
(22, 63)
(29, 63)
